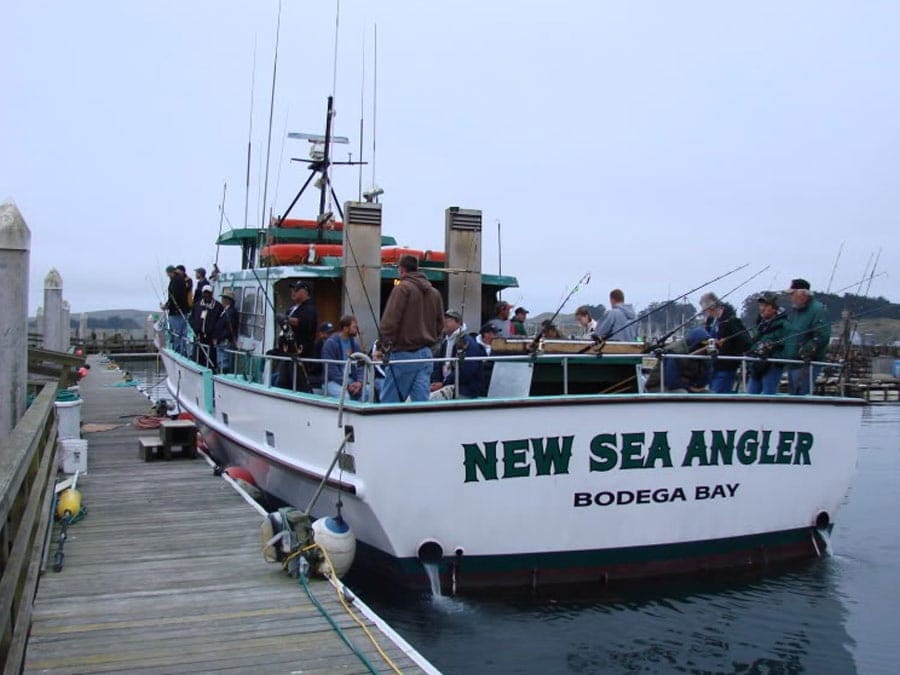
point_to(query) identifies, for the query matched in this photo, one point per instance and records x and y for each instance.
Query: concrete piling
(15, 247)
(66, 325)
(53, 311)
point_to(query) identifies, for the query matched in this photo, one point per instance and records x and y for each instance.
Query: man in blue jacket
(339, 347)
(459, 346)
(809, 333)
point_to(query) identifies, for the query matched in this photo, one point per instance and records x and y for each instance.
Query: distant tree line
(659, 317)
(109, 323)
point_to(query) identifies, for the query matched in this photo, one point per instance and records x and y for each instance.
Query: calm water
(839, 615)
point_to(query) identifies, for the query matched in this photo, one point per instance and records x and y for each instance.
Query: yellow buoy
(68, 503)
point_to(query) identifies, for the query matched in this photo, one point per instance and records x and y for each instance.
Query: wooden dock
(165, 574)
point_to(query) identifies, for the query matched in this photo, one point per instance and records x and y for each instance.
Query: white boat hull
(546, 489)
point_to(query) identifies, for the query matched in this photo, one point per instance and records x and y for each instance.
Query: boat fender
(336, 538)
(68, 504)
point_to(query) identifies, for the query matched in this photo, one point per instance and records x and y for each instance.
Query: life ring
(435, 256)
(304, 224)
(297, 254)
(392, 254)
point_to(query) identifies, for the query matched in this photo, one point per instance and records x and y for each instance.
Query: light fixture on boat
(373, 194)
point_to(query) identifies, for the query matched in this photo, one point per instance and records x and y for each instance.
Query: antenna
(271, 112)
(362, 91)
(374, 105)
(250, 135)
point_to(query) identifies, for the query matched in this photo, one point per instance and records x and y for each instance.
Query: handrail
(565, 360)
(744, 360)
(27, 462)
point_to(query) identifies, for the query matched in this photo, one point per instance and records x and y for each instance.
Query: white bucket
(69, 415)
(72, 455)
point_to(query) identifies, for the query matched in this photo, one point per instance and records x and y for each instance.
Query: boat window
(251, 315)
(238, 296)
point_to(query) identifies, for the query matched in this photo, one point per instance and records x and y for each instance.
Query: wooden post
(15, 246)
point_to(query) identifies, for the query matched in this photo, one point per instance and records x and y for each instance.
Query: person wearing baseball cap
(204, 314)
(501, 318)
(808, 336)
(768, 342)
(517, 325)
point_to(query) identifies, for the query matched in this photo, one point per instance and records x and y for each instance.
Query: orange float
(296, 254)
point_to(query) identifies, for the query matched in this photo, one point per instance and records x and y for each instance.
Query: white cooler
(69, 415)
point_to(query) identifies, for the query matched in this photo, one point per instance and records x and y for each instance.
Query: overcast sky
(654, 144)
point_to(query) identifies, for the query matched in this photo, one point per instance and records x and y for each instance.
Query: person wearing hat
(809, 333)
(225, 332)
(730, 335)
(485, 339)
(517, 325)
(550, 331)
(204, 315)
(177, 308)
(202, 281)
(768, 342)
(501, 318)
(457, 346)
(413, 321)
(302, 318)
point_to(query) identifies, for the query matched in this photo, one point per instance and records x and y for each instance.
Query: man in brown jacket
(412, 322)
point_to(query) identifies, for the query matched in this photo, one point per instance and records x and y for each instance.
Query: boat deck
(165, 574)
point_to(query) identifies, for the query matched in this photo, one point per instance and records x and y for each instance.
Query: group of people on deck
(214, 322)
(802, 333)
(414, 321)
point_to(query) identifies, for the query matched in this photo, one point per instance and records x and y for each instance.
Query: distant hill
(107, 320)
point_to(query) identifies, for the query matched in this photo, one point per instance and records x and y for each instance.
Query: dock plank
(165, 573)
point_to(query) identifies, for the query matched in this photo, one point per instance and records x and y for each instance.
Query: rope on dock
(338, 588)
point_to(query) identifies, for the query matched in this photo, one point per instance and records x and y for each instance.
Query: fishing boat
(568, 471)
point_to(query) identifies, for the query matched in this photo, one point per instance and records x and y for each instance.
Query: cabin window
(252, 314)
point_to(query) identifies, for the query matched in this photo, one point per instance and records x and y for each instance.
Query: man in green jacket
(809, 332)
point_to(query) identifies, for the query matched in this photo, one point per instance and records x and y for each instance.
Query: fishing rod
(662, 339)
(834, 267)
(271, 113)
(671, 302)
(250, 137)
(584, 280)
(221, 220)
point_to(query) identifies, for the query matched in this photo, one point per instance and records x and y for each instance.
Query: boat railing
(813, 368)
(259, 368)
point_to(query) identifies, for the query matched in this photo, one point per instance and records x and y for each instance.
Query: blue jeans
(178, 333)
(768, 383)
(333, 389)
(798, 379)
(224, 359)
(407, 380)
(721, 382)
